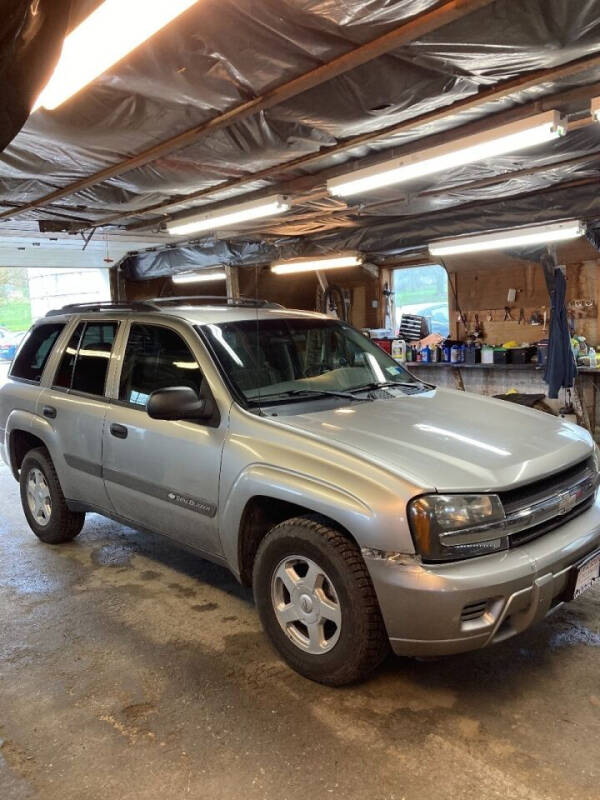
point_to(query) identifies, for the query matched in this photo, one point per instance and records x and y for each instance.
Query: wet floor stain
(205, 607)
(149, 575)
(182, 591)
(138, 711)
(575, 634)
(112, 555)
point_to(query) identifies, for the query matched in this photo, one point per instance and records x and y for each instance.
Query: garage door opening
(27, 294)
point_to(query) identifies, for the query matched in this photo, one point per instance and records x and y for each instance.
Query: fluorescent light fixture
(243, 212)
(317, 263)
(595, 108)
(505, 139)
(199, 277)
(517, 237)
(110, 32)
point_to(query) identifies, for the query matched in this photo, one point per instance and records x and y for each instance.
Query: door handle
(49, 411)
(120, 431)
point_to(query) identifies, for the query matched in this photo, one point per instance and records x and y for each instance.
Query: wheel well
(260, 515)
(21, 442)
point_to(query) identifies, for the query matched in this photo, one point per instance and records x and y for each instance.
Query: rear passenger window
(64, 375)
(156, 358)
(84, 365)
(35, 351)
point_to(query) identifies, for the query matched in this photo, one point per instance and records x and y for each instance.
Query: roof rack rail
(252, 302)
(158, 304)
(74, 308)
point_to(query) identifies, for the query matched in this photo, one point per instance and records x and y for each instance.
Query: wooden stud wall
(485, 292)
(293, 291)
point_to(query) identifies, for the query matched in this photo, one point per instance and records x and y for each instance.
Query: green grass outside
(16, 315)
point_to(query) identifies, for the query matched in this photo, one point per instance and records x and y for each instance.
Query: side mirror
(177, 403)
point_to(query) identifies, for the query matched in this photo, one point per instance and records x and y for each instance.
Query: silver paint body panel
(357, 464)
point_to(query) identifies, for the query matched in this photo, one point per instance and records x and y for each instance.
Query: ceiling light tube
(103, 39)
(199, 277)
(509, 138)
(516, 237)
(244, 212)
(317, 263)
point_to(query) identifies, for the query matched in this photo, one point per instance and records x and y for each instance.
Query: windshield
(292, 357)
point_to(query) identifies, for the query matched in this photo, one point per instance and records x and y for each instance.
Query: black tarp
(31, 35)
(223, 52)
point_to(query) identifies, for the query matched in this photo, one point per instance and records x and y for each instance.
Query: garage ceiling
(244, 98)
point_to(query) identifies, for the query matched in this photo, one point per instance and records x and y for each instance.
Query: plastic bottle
(426, 355)
(399, 350)
(593, 358)
(454, 354)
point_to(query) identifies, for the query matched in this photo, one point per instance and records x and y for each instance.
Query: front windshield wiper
(387, 384)
(310, 393)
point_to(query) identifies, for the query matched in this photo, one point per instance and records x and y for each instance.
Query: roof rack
(252, 302)
(74, 308)
(158, 303)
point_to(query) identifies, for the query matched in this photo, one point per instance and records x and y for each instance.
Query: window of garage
(423, 291)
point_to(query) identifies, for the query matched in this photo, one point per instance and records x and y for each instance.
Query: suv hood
(452, 441)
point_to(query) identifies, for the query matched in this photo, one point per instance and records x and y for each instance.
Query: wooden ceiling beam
(440, 15)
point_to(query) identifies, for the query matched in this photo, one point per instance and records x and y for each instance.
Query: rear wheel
(43, 501)
(317, 603)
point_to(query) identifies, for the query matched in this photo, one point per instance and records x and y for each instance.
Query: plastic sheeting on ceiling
(224, 52)
(31, 34)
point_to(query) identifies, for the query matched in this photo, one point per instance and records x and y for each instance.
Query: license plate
(587, 576)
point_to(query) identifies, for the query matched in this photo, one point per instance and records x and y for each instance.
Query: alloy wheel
(306, 604)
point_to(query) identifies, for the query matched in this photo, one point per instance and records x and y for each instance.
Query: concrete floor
(130, 669)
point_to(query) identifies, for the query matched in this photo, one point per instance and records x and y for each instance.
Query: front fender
(287, 485)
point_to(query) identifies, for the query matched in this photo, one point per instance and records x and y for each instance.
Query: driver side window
(156, 358)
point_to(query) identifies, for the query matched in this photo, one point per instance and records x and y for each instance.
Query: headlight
(446, 527)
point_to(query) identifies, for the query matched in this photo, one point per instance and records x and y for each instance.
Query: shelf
(445, 364)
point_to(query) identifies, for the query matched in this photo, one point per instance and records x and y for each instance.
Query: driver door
(162, 475)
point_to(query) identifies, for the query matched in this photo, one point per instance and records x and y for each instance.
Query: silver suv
(365, 507)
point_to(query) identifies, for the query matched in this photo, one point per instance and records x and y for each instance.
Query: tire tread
(374, 646)
(65, 524)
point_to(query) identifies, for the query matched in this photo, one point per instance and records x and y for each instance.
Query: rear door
(163, 475)
(75, 406)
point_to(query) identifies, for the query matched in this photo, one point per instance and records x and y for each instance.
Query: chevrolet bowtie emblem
(566, 502)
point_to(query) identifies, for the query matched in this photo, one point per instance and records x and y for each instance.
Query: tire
(315, 644)
(61, 525)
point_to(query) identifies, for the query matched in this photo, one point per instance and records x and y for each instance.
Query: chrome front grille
(534, 510)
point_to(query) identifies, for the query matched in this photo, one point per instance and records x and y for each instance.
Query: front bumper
(433, 609)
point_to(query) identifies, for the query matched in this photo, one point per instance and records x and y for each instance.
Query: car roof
(204, 315)
(190, 312)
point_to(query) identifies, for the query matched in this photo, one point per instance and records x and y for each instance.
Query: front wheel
(317, 603)
(43, 502)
